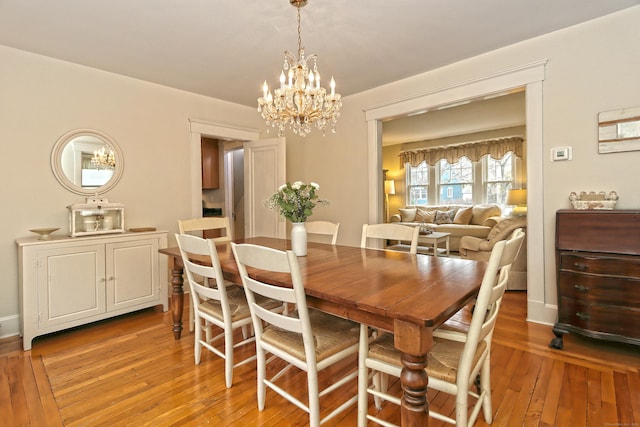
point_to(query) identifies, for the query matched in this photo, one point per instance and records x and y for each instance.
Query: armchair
(480, 249)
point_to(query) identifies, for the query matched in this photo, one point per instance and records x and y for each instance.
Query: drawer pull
(583, 316)
(581, 288)
(581, 267)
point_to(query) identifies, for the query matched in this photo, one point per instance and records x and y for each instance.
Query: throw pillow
(463, 216)
(408, 214)
(483, 212)
(445, 217)
(425, 216)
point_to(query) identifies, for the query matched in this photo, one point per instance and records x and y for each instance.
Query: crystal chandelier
(300, 102)
(103, 160)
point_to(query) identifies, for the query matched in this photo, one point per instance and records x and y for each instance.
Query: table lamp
(518, 198)
(389, 188)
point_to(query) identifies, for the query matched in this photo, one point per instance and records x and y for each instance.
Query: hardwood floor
(130, 371)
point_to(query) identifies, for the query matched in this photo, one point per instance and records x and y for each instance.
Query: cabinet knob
(581, 267)
(581, 288)
(110, 278)
(102, 280)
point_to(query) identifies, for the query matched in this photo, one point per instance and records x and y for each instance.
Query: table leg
(177, 300)
(414, 342)
(447, 245)
(415, 407)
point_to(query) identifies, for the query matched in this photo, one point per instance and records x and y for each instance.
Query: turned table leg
(415, 407)
(177, 300)
(414, 342)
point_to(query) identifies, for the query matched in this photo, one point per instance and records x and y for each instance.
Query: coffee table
(435, 239)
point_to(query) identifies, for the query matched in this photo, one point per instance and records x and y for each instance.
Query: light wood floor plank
(130, 371)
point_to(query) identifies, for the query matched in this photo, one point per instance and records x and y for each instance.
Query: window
(418, 184)
(499, 178)
(462, 183)
(455, 182)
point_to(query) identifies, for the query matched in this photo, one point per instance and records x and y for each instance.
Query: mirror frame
(58, 172)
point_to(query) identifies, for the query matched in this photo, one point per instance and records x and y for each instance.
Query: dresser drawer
(609, 290)
(600, 264)
(597, 318)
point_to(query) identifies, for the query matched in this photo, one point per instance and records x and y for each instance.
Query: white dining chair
(307, 339)
(388, 231)
(324, 228)
(199, 227)
(219, 303)
(455, 359)
(188, 226)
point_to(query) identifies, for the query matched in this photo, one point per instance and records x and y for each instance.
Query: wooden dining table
(407, 295)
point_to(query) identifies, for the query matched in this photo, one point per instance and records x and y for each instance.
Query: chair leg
(197, 347)
(363, 376)
(485, 382)
(228, 356)
(314, 399)
(261, 371)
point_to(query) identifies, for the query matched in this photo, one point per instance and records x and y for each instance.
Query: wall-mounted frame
(619, 130)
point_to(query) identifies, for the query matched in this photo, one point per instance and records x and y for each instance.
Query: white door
(264, 172)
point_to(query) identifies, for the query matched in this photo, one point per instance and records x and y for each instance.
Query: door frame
(199, 128)
(530, 77)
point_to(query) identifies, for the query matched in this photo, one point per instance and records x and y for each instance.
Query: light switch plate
(561, 153)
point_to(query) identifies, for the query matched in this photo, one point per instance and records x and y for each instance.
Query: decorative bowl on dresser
(598, 275)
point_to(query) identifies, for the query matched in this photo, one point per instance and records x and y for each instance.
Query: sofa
(480, 249)
(457, 220)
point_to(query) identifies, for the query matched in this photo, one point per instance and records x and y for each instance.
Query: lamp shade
(389, 187)
(517, 197)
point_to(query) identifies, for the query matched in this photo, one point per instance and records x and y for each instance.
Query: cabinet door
(132, 273)
(71, 284)
(210, 166)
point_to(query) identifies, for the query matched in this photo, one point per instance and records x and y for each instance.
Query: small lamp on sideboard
(518, 199)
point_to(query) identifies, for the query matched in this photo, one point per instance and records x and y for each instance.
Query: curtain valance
(497, 148)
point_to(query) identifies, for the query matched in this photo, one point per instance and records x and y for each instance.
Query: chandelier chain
(299, 33)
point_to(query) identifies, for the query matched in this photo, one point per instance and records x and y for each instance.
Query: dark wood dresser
(598, 275)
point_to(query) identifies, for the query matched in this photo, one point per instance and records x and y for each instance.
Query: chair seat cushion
(237, 304)
(442, 362)
(331, 334)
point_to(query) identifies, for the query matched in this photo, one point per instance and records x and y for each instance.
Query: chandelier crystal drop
(300, 102)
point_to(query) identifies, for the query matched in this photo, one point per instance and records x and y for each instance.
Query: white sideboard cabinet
(66, 282)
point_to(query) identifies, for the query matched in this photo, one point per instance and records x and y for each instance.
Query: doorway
(529, 77)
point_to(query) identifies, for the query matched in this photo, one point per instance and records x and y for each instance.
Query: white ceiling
(227, 48)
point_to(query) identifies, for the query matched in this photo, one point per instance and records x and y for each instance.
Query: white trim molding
(199, 128)
(528, 76)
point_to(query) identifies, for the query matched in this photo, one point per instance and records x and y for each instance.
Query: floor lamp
(389, 188)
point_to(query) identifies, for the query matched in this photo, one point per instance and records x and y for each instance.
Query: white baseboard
(539, 312)
(9, 326)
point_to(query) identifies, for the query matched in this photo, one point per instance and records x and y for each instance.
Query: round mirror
(87, 162)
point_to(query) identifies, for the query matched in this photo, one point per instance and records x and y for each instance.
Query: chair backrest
(494, 283)
(186, 226)
(324, 228)
(272, 260)
(200, 259)
(388, 231)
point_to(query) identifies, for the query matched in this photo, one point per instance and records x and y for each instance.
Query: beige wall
(591, 67)
(42, 99)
